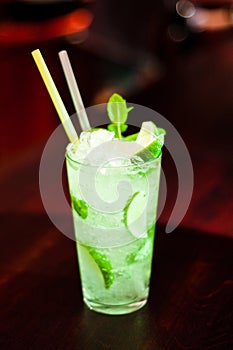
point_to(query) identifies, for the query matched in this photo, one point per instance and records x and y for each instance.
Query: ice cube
(89, 140)
(99, 136)
(85, 137)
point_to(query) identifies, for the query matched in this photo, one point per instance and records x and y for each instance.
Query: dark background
(153, 56)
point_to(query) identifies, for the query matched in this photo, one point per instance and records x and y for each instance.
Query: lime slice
(98, 264)
(135, 214)
(147, 134)
(151, 139)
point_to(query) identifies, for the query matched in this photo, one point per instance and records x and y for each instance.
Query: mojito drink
(114, 185)
(114, 182)
(114, 230)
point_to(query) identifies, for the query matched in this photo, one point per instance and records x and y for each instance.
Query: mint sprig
(118, 112)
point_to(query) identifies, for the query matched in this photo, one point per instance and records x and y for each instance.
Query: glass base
(115, 309)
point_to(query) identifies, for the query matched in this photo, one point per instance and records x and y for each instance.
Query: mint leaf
(104, 265)
(133, 257)
(132, 137)
(117, 109)
(115, 127)
(144, 247)
(80, 206)
(161, 131)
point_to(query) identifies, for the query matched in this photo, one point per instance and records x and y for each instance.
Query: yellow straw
(74, 90)
(54, 94)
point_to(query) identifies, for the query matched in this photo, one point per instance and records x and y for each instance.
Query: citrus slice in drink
(135, 214)
(151, 139)
(147, 134)
(98, 265)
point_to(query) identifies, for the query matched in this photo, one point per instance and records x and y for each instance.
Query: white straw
(54, 94)
(74, 90)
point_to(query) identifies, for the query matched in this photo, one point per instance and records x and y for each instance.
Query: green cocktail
(115, 248)
(114, 225)
(114, 193)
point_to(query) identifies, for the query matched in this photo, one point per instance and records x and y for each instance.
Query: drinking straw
(54, 94)
(74, 90)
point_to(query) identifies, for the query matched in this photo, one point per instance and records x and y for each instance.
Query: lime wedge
(99, 264)
(151, 139)
(147, 134)
(135, 214)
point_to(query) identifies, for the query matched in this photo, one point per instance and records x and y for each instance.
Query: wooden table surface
(191, 297)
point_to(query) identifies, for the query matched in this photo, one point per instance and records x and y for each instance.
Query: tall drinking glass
(114, 212)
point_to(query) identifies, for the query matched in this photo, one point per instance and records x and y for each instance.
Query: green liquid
(114, 263)
(125, 287)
